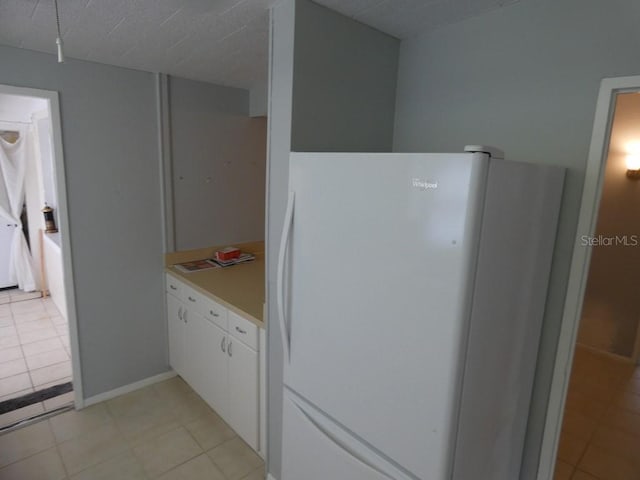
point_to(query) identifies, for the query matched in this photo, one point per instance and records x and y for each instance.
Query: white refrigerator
(411, 291)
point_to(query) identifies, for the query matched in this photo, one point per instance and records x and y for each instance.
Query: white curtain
(13, 168)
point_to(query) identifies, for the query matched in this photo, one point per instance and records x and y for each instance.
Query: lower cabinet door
(243, 391)
(175, 331)
(191, 370)
(210, 350)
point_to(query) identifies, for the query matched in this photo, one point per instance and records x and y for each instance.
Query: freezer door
(381, 252)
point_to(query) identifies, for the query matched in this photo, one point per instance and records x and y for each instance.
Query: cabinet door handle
(180, 313)
(184, 315)
(191, 299)
(213, 313)
(173, 287)
(229, 349)
(239, 330)
(222, 346)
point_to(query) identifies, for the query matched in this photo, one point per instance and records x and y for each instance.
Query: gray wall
(259, 100)
(524, 78)
(110, 140)
(113, 188)
(344, 83)
(219, 157)
(337, 89)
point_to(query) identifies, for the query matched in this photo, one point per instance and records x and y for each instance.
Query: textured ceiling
(219, 41)
(404, 18)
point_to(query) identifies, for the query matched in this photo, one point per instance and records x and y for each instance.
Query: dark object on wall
(49, 221)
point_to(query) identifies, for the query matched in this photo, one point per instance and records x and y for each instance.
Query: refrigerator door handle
(280, 293)
(338, 443)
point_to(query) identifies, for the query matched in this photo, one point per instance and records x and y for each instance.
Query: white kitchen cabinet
(216, 352)
(195, 369)
(243, 330)
(174, 287)
(243, 390)
(176, 332)
(210, 346)
(181, 354)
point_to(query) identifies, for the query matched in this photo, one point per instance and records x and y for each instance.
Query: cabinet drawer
(193, 299)
(173, 286)
(215, 312)
(243, 330)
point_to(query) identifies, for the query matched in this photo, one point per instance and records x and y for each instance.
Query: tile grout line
(610, 406)
(111, 418)
(24, 357)
(203, 452)
(57, 447)
(44, 419)
(181, 424)
(597, 425)
(29, 370)
(101, 462)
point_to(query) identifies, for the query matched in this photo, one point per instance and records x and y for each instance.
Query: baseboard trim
(101, 397)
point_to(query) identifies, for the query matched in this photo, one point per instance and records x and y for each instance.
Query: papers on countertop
(207, 263)
(196, 266)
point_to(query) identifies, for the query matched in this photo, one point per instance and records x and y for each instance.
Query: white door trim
(63, 218)
(579, 271)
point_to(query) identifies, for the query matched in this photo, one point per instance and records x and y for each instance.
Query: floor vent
(35, 397)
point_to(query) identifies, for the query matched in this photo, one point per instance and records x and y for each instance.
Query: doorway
(610, 311)
(593, 421)
(600, 432)
(39, 367)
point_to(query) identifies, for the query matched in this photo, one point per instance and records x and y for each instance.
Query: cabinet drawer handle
(213, 313)
(191, 299)
(229, 349)
(184, 315)
(173, 287)
(222, 346)
(239, 330)
(180, 313)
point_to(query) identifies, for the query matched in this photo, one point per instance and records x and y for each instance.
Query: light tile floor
(34, 351)
(164, 431)
(600, 437)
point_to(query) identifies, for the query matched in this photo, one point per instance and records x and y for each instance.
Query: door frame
(578, 274)
(53, 102)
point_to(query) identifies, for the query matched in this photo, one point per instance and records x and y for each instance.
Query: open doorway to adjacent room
(38, 358)
(599, 403)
